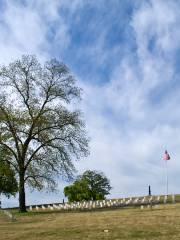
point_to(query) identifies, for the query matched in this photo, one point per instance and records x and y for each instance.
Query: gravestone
(173, 199)
(9, 215)
(165, 199)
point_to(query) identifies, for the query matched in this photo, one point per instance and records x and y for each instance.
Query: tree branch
(41, 146)
(11, 130)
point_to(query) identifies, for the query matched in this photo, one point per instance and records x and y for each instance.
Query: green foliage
(8, 183)
(77, 192)
(92, 185)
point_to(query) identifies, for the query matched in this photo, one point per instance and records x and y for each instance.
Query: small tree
(78, 191)
(41, 134)
(92, 185)
(8, 183)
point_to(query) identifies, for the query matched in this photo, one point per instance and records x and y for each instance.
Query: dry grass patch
(132, 223)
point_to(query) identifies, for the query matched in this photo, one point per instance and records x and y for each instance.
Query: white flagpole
(166, 177)
(166, 158)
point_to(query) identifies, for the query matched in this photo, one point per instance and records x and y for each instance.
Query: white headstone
(173, 199)
(165, 199)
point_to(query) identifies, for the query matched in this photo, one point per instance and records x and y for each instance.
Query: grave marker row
(88, 205)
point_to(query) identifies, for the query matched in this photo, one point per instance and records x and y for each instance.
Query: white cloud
(25, 29)
(21, 32)
(159, 19)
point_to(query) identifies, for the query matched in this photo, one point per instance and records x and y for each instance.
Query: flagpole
(166, 178)
(166, 157)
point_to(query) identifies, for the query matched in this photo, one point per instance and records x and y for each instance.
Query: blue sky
(125, 54)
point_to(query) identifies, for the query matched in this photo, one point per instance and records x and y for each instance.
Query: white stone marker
(165, 199)
(173, 199)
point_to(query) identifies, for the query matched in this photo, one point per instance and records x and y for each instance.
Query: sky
(125, 54)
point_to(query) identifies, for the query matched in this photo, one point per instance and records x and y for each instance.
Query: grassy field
(125, 223)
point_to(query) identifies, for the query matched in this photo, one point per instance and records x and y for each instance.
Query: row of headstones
(105, 203)
(149, 206)
(156, 200)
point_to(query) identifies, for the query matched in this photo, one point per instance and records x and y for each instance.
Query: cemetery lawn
(122, 223)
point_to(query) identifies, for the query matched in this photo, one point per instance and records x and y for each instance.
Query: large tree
(41, 133)
(91, 185)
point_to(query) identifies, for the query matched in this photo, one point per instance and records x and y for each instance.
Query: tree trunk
(22, 198)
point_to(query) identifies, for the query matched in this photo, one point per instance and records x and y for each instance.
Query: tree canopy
(91, 185)
(38, 129)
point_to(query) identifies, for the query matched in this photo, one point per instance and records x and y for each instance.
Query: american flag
(166, 156)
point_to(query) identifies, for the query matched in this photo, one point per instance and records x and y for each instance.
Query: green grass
(123, 223)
